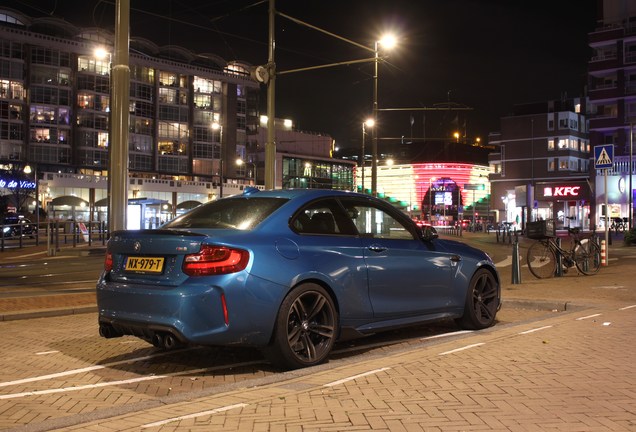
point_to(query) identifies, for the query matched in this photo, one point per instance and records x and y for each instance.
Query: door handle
(377, 248)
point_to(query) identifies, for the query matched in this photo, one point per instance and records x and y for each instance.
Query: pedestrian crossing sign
(603, 156)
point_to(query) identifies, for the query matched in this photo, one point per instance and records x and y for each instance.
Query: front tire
(482, 301)
(305, 330)
(541, 260)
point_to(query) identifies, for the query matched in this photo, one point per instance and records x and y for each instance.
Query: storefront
(618, 199)
(567, 202)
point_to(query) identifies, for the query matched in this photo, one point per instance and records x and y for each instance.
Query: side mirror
(429, 233)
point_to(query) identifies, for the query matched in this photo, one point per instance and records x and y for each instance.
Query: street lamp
(27, 170)
(219, 127)
(241, 162)
(367, 123)
(388, 41)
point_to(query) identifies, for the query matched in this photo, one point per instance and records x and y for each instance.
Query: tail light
(108, 261)
(215, 260)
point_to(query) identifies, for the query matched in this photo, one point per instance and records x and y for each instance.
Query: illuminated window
(168, 79)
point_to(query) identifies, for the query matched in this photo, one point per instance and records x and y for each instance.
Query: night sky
(485, 54)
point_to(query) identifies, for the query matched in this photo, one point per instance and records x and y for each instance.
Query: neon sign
(14, 184)
(561, 191)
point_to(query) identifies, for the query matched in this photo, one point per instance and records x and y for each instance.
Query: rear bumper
(193, 312)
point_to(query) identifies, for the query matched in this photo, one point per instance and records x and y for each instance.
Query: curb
(47, 313)
(540, 305)
(547, 305)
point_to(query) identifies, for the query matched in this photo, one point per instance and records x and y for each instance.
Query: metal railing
(56, 234)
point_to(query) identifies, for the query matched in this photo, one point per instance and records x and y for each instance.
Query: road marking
(447, 334)
(77, 388)
(351, 378)
(628, 307)
(111, 383)
(46, 352)
(535, 330)
(462, 349)
(504, 263)
(195, 415)
(85, 369)
(588, 317)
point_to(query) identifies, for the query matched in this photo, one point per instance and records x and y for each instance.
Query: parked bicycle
(584, 254)
(618, 224)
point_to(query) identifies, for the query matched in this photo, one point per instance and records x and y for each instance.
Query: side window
(320, 217)
(372, 221)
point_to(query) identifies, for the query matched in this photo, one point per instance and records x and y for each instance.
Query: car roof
(296, 193)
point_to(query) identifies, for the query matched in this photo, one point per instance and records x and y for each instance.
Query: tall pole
(270, 145)
(607, 216)
(364, 133)
(631, 173)
(221, 161)
(374, 148)
(430, 201)
(118, 169)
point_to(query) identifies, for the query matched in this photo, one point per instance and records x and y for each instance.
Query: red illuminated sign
(562, 191)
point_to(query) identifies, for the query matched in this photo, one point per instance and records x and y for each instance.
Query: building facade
(542, 168)
(193, 117)
(612, 95)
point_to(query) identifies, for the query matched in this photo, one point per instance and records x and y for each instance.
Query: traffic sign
(603, 156)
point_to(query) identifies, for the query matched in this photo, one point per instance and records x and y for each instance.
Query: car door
(330, 250)
(406, 276)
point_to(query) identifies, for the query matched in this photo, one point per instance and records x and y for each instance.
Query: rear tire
(482, 301)
(541, 260)
(305, 330)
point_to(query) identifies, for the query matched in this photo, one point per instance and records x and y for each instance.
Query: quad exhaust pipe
(165, 340)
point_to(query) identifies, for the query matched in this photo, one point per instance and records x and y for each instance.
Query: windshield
(242, 213)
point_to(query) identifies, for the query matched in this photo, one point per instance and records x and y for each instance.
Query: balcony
(604, 62)
(607, 33)
(606, 123)
(605, 93)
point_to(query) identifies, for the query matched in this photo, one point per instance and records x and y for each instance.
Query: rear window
(242, 213)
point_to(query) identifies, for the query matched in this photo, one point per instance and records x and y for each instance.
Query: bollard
(516, 270)
(603, 259)
(559, 259)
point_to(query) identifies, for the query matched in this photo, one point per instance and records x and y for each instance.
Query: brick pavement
(570, 371)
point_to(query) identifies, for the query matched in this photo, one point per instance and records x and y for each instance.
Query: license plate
(144, 264)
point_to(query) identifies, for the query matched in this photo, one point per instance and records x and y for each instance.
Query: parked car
(14, 226)
(290, 271)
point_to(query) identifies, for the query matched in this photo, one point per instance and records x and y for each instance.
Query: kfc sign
(561, 191)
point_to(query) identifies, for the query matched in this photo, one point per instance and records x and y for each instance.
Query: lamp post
(217, 126)
(388, 42)
(367, 123)
(241, 162)
(430, 199)
(27, 170)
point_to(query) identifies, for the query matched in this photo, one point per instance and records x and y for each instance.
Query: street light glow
(388, 41)
(101, 53)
